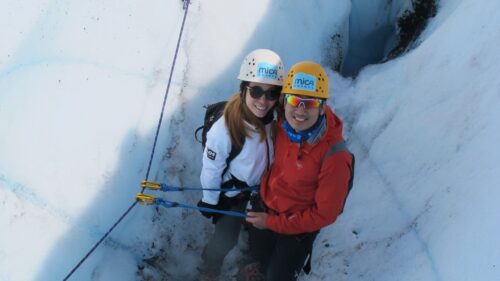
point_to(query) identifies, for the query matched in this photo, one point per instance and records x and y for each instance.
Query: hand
(208, 215)
(257, 219)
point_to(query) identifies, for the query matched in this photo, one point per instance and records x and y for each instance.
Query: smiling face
(302, 118)
(259, 106)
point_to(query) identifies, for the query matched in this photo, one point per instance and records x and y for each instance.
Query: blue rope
(170, 204)
(186, 8)
(167, 188)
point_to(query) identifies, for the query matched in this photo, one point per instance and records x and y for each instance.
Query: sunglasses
(256, 92)
(306, 103)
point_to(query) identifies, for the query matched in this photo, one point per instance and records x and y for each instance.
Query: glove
(256, 203)
(208, 215)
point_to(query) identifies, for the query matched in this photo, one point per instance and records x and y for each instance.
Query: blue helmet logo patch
(267, 71)
(305, 82)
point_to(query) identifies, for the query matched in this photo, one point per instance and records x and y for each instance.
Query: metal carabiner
(151, 185)
(145, 199)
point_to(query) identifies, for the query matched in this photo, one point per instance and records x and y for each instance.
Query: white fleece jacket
(248, 166)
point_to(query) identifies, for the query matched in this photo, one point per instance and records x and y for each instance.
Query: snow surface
(81, 88)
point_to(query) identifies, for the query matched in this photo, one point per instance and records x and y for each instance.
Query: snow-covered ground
(81, 89)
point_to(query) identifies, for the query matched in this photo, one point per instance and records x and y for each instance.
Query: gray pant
(225, 237)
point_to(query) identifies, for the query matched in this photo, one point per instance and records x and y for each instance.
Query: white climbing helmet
(262, 66)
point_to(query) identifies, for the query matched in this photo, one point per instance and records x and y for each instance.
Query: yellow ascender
(151, 185)
(145, 199)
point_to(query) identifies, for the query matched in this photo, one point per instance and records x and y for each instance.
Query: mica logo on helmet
(267, 71)
(305, 82)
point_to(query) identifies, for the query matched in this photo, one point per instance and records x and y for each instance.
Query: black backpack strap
(235, 150)
(337, 147)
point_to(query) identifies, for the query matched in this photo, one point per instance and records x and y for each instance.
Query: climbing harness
(151, 185)
(186, 8)
(146, 199)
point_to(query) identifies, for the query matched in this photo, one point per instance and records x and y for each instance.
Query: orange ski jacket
(303, 191)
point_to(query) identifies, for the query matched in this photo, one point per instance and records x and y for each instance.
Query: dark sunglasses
(256, 92)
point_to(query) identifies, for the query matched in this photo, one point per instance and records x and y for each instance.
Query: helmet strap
(243, 90)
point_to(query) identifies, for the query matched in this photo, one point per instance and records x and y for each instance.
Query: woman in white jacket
(247, 123)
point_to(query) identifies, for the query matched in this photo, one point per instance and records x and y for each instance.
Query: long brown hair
(236, 113)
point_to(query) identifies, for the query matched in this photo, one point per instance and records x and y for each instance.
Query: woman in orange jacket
(308, 183)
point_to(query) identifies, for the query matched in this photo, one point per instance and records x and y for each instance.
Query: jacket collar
(311, 135)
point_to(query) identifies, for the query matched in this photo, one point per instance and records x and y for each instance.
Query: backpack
(337, 147)
(212, 113)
